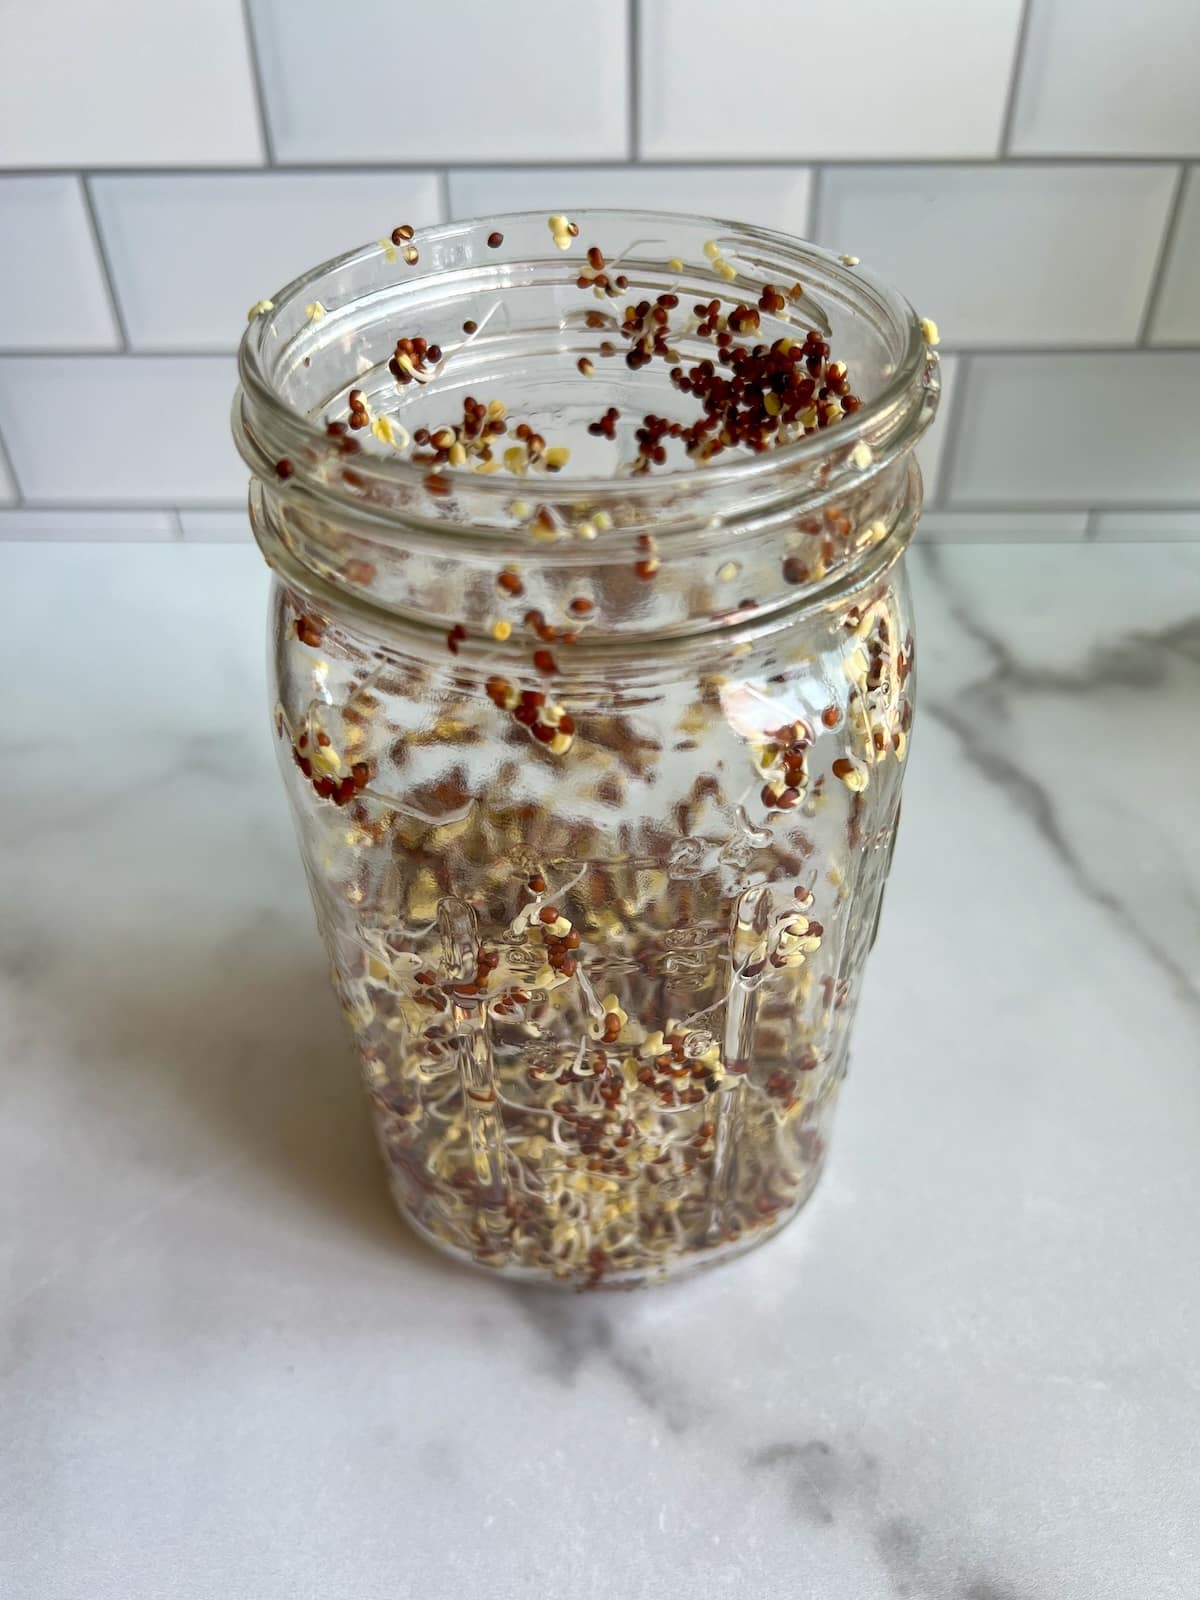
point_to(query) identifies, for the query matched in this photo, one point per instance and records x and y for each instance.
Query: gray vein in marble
(1135, 662)
(573, 1333)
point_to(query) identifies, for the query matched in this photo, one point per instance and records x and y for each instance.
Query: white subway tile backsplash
(137, 83)
(102, 527)
(1177, 315)
(1079, 430)
(52, 291)
(1008, 255)
(932, 447)
(216, 527)
(121, 430)
(258, 231)
(527, 80)
(1004, 527)
(860, 78)
(1102, 77)
(774, 197)
(1148, 527)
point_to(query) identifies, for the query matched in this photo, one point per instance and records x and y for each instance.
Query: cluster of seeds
(783, 762)
(545, 721)
(331, 777)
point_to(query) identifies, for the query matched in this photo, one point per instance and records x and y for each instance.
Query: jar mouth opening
(320, 311)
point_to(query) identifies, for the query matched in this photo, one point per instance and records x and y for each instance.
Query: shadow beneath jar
(238, 1036)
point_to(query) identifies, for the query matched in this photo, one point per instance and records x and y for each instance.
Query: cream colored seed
(727, 272)
(561, 927)
(586, 530)
(929, 331)
(848, 261)
(501, 630)
(496, 410)
(520, 509)
(862, 455)
(712, 249)
(515, 459)
(728, 572)
(458, 455)
(443, 438)
(314, 311)
(603, 522)
(259, 309)
(560, 744)
(674, 264)
(557, 456)
(389, 249)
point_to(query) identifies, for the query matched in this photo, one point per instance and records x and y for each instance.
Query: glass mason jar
(595, 771)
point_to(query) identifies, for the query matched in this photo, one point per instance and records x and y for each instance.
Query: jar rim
(887, 422)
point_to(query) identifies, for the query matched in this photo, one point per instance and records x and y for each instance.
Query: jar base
(688, 1264)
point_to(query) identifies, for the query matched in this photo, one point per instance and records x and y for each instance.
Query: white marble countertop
(971, 1370)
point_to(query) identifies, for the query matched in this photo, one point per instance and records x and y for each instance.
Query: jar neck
(745, 526)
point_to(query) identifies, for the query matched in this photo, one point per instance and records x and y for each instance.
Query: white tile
(124, 430)
(1103, 77)
(1008, 255)
(932, 447)
(258, 231)
(103, 527)
(1148, 527)
(1004, 527)
(859, 78)
(216, 527)
(1079, 430)
(52, 289)
(774, 197)
(527, 80)
(1177, 315)
(126, 83)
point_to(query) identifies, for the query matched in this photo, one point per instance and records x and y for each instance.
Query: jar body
(601, 997)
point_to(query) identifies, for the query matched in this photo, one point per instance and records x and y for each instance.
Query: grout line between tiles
(680, 163)
(1016, 68)
(7, 466)
(1091, 526)
(633, 70)
(106, 267)
(443, 188)
(260, 98)
(176, 523)
(1163, 259)
(1084, 503)
(953, 426)
(816, 195)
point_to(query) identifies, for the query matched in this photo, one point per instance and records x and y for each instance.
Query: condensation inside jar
(594, 747)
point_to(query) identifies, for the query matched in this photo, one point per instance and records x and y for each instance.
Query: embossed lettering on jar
(593, 735)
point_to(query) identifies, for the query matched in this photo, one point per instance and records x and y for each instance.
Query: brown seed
(402, 234)
(284, 468)
(831, 716)
(510, 583)
(585, 367)
(470, 327)
(495, 240)
(580, 607)
(545, 662)
(794, 570)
